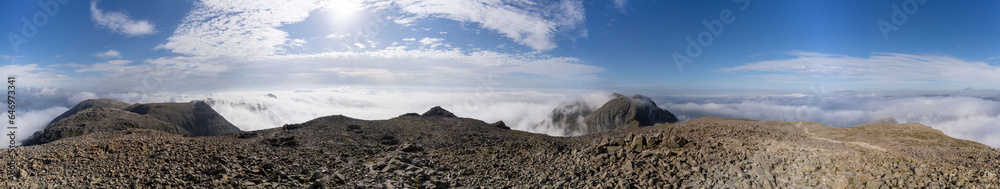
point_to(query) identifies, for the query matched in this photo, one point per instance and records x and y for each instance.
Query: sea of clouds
(255, 110)
(965, 117)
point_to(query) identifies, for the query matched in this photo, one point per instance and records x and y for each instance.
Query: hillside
(101, 115)
(196, 117)
(439, 151)
(93, 120)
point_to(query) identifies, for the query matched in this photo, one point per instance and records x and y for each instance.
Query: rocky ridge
(415, 151)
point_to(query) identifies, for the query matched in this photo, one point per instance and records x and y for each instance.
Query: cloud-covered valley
(965, 117)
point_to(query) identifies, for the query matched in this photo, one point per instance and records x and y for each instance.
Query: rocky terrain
(579, 117)
(101, 115)
(440, 150)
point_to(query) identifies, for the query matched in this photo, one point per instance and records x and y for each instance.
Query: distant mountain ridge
(101, 115)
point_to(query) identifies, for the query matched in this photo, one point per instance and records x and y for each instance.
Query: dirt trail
(860, 144)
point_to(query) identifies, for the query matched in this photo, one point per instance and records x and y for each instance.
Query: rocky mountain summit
(434, 151)
(578, 117)
(102, 115)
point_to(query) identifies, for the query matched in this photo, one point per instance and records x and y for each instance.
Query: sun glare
(344, 11)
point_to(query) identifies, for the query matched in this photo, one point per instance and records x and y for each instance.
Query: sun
(344, 11)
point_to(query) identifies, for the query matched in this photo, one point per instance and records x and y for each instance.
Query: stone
(675, 142)
(409, 147)
(873, 184)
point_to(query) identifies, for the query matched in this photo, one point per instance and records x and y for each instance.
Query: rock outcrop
(438, 111)
(578, 117)
(623, 111)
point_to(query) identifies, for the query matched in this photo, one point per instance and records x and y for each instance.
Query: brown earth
(440, 152)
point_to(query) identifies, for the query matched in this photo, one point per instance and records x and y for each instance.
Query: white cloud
(359, 45)
(244, 29)
(80, 97)
(9, 58)
(108, 54)
(433, 42)
(46, 91)
(337, 36)
(119, 22)
(29, 121)
(370, 73)
(528, 23)
(33, 75)
(620, 5)
(409, 39)
(109, 66)
(880, 68)
(398, 66)
(446, 66)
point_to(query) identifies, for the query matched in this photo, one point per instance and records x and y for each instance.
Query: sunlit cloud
(878, 68)
(119, 22)
(245, 29)
(108, 54)
(532, 24)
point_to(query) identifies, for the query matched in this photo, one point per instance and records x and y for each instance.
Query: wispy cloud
(620, 5)
(109, 66)
(527, 23)
(119, 22)
(33, 75)
(433, 42)
(108, 54)
(879, 68)
(244, 29)
(9, 58)
(414, 66)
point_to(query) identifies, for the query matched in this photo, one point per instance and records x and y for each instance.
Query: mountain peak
(438, 111)
(581, 116)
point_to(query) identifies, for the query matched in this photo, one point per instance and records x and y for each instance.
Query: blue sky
(628, 46)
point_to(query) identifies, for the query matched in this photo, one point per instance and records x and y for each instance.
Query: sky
(64, 51)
